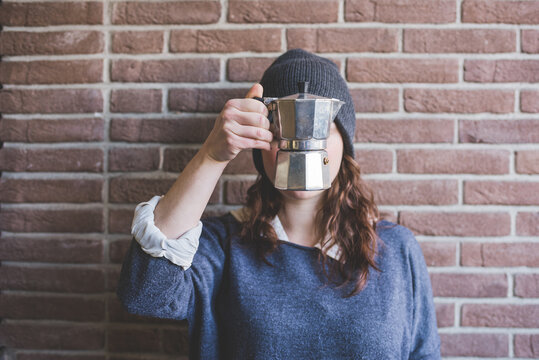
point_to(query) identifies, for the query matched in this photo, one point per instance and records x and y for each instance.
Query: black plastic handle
(270, 115)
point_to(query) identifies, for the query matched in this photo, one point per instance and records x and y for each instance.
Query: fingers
(248, 105)
(253, 132)
(246, 118)
(243, 143)
(253, 119)
(255, 90)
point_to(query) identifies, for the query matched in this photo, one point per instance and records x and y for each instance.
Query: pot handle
(269, 104)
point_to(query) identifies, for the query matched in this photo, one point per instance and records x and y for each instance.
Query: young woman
(294, 274)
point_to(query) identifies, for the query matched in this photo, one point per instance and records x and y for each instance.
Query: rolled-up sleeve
(179, 251)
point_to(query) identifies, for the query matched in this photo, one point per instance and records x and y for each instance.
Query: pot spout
(337, 104)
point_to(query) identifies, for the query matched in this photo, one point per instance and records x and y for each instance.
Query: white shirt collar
(333, 252)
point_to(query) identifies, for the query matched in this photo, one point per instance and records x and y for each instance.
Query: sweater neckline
(333, 251)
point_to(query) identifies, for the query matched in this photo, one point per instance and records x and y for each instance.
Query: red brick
(176, 341)
(325, 40)
(446, 161)
(439, 253)
(389, 216)
(501, 70)
(51, 43)
(530, 41)
(528, 223)
(445, 315)
(137, 42)
(247, 69)
(37, 220)
(180, 70)
(500, 254)
(202, 100)
(527, 162)
(133, 340)
(375, 100)
(63, 280)
(236, 191)
(527, 285)
(458, 101)
(56, 130)
(184, 130)
(71, 308)
(402, 11)
(118, 249)
(529, 101)
(493, 315)
(469, 285)
(496, 11)
(120, 220)
(61, 159)
(404, 130)
(52, 336)
(112, 276)
(499, 131)
(526, 345)
(459, 41)
(175, 160)
(178, 12)
(134, 159)
(374, 161)
(136, 101)
(135, 190)
(241, 164)
(51, 101)
(14, 190)
(457, 223)
(476, 345)
(51, 13)
(501, 192)
(225, 41)
(402, 70)
(278, 11)
(51, 72)
(414, 192)
(51, 250)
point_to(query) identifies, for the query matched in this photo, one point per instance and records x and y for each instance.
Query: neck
(298, 219)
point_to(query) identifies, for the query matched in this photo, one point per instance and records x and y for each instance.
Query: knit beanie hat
(282, 77)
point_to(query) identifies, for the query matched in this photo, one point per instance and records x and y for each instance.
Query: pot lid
(303, 94)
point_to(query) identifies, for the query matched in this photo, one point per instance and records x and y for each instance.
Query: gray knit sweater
(241, 308)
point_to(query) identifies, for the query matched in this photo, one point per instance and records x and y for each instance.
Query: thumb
(255, 90)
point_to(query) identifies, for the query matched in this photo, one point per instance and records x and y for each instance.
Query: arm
(152, 285)
(242, 124)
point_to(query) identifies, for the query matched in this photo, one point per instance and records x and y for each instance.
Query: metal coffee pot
(303, 121)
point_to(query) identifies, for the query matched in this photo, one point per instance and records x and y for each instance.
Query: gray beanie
(282, 77)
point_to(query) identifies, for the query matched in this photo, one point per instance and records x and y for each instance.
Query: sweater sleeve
(425, 339)
(179, 251)
(157, 287)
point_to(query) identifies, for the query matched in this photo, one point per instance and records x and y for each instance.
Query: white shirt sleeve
(179, 251)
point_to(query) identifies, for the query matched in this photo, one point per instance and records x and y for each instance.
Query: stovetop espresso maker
(302, 121)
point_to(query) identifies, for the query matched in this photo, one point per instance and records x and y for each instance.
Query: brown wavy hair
(348, 215)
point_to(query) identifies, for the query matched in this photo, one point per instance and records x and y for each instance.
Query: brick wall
(104, 103)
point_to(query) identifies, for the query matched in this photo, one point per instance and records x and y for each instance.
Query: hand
(242, 124)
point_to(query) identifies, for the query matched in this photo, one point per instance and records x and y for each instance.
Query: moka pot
(302, 121)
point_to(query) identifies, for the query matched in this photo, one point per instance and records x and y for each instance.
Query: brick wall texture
(104, 102)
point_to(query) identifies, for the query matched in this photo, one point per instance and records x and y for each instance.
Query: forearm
(182, 206)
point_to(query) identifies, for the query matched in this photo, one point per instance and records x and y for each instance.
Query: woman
(294, 274)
